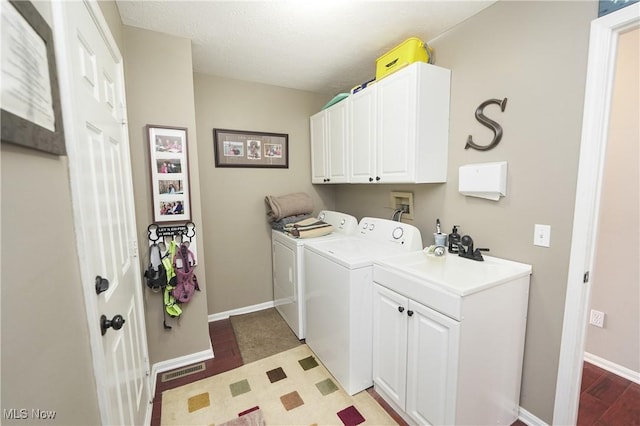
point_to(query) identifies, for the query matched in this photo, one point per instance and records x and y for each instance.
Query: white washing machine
(338, 298)
(288, 267)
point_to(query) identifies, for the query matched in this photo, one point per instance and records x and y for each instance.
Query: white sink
(456, 274)
(443, 283)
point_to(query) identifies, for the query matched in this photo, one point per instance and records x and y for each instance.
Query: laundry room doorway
(605, 32)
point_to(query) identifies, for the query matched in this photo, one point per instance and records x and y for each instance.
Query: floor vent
(181, 372)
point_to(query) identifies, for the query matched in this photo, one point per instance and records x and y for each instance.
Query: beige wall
(46, 357)
(616, 273)
(164, 99)
(235, 231)
(534, 54)
(111, 14)
(159, 83)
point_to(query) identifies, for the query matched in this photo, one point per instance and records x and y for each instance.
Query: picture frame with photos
(169, 166)
(242, 148)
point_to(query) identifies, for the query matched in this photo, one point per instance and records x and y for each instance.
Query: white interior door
(93, 99)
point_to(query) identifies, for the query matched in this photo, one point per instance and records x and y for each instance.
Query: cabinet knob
(370, 179)
(377, 178)
(410, 312)
(400, 308)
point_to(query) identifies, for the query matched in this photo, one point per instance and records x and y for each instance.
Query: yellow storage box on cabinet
(409, 51)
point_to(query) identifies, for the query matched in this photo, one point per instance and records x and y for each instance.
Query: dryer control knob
(397, 233)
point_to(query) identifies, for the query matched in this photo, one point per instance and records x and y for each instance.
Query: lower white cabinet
(414, 357)
(448, 347)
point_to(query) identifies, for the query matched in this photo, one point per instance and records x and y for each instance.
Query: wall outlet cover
(596, 318)
(542, 235)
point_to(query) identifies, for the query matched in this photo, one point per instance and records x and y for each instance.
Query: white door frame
(91, 305)
(595, 129)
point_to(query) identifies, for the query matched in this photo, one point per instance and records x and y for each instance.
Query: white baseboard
(172, 364)
(528, 418)
(240, 311)
(612, 367)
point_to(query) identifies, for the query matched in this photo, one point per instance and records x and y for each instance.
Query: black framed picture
(31, 111)
(241, 148)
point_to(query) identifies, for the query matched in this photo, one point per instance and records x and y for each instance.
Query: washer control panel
(341, 222)
(391, 232)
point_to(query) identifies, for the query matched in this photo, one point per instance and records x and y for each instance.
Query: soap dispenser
(454, 240)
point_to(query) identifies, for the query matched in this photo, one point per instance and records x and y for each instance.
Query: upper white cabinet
(329, 153)
(363, 141)
(397, 131)
(394, 131)
(412, 126)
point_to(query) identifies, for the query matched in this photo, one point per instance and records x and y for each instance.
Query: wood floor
(606, 399)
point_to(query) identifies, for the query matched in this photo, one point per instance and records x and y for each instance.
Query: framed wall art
(169, 173)
(31, 111)
(240, 148)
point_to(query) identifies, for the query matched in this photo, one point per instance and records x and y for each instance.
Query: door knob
(102, 284)
(116, 323)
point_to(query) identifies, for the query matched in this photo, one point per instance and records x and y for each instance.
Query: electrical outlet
(542, 235)
(596, 318)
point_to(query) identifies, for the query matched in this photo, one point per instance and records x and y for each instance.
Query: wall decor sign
(30, 98)
(240, 148)
(607, 6)
(169, 173)
(487, 122)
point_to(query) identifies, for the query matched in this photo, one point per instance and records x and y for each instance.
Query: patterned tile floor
(606, 399)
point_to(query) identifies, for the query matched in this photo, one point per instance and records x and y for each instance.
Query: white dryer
(339, 291)
(288, 267)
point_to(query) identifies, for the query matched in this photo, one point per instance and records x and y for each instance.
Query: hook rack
(187, 231)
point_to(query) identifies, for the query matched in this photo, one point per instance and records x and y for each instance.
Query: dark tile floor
(606, 399)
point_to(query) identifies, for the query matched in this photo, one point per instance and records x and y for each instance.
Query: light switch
(542, 235)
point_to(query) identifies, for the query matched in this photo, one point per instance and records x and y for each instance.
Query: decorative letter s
(495, 127)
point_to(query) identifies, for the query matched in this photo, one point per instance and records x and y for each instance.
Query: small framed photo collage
(240, 148)
(169, 173)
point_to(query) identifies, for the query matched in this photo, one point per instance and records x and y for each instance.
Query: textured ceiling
(323, 46)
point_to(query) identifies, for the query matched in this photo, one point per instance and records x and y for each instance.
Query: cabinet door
(431, 366)
(362, 137)
(397, 103)
(318, 126)
(337, 134)
(390, 343)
